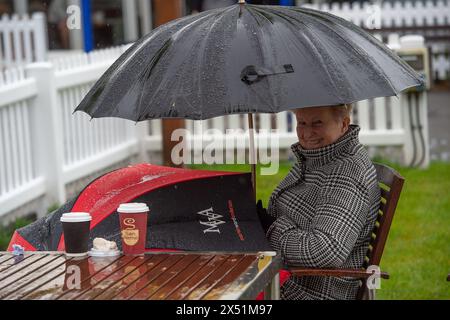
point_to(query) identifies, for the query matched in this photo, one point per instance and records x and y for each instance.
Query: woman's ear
(345, 124)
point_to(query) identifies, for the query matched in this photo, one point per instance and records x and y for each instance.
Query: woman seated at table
(322, 214)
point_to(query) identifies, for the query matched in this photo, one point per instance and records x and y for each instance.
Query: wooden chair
(391, 184)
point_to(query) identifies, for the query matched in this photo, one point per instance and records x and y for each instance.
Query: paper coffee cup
(76, 229)
(133, 227)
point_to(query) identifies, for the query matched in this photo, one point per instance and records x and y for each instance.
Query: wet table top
(154, 276)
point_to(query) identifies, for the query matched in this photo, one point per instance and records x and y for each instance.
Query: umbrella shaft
(252, 152)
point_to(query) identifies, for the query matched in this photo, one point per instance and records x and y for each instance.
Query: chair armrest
(353, 273)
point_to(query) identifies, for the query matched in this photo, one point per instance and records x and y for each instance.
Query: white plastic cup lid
(76, 217)
(133, 208)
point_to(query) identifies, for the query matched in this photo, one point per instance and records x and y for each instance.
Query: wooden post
(20, 7)
(145, 12)
(165, 11)
(75, 34)
(130, 20)
(40, 36)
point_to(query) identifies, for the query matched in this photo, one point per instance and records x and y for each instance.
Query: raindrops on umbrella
(193, 67)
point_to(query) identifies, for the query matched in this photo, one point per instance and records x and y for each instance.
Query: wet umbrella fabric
(246, 59)
(191, 210)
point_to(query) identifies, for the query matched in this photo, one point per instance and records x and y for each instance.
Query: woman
(322, 214)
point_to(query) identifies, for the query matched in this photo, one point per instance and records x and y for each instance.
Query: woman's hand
(265, 219)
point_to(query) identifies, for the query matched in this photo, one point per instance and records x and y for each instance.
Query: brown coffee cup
(133, 227)
(76, 229)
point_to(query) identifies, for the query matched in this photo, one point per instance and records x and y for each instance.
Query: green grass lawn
(7, 232)
(417, 253)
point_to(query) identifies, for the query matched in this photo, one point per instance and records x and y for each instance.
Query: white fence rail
(22, 39)
(441, 66)
(389, 14)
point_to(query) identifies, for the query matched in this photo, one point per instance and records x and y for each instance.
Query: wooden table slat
(23, 265)
(100, 275)
(208, 284)
(29, 275)
(182, 278)
(128, 284)
(50, 276)
(221, 287)
(19, 263)
(9, 261)
(5, 257)
(159, 276)
(110, 281)
(192, 283)
(47, 291)
(164, 278)
(149, 276)
(51, 284)
(59, 285)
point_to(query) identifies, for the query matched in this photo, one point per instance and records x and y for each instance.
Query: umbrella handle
(250, 74)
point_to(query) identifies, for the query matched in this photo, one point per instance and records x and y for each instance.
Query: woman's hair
(343, 110)
(340, 111)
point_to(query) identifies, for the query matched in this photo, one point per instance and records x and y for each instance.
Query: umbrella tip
(241, 2)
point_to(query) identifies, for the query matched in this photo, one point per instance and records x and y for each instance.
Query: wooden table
(154, 276)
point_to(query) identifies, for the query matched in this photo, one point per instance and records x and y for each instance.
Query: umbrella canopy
(245, 59)
(192, 210)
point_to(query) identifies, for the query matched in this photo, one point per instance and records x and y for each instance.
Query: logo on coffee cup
(130, 234)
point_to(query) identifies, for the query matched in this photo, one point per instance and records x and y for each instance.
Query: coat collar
(316, 158)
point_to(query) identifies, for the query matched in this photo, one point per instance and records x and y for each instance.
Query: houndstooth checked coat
(326, 208)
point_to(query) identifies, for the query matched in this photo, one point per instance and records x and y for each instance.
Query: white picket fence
(22, 39)
(43, 147)
(391, 14)
(379, 15)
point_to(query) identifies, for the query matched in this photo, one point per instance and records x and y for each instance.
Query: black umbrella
(246, 59)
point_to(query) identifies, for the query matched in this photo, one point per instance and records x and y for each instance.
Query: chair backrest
(391, 184)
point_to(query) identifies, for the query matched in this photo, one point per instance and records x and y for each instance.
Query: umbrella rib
(119, 64)
(204, 17)
(308, 35)
(148, 72)
(260, 13)
(273, 106)
(209, 15)
(141, 44)
(217, 18)
(362, 33)
(406, 67)
(360, 53)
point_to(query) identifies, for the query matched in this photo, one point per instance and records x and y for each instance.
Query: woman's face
(318, 127)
